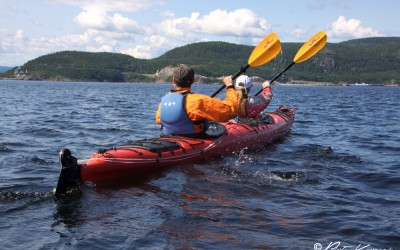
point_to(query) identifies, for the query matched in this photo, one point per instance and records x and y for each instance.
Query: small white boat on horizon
(360, 84)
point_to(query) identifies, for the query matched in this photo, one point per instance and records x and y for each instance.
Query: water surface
(333, 180)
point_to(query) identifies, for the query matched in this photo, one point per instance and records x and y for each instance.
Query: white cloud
(99, 19)
(125, 24)
(241, 22)
(93, 18)
(91, 40)
(17, 48)
(19, 40)
(298, 33)
(102, 48)
(104, 29)
(139, 51)
(155, 45)
(350, 29)
(168, 14)
(19, 35)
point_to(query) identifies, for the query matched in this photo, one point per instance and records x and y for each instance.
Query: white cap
(243, 81)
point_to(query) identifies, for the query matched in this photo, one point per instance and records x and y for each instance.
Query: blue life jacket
(173, 117)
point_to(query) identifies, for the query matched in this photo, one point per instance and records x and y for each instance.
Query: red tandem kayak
(148, 155)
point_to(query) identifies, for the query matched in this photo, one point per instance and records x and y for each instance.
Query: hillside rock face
(165, 75)
(326, 64)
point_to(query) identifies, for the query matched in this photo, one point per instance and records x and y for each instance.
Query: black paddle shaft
(241, 71)
(277, 76)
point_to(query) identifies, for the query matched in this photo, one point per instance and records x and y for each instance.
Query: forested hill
(370, 60)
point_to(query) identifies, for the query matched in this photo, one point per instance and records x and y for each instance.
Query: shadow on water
(68, 210)
(72, 208)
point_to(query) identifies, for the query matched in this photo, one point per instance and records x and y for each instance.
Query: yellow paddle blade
(265, 51)
(311, 47)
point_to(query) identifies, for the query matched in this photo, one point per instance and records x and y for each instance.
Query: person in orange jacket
(184, 113)
(251, 106)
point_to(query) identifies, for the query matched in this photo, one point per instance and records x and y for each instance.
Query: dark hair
(183, 75)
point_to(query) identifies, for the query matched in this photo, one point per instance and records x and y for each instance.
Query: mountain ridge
(4, 69)
(370, 60)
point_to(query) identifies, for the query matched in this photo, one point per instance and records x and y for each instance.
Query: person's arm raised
(310, 48)
(264, 52)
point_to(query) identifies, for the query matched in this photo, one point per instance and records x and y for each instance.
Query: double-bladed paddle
(264, 52)
(306, 51)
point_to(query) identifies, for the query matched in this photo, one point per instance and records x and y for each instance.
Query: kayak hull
(128, 160)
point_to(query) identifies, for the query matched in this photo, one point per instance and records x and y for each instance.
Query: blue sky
(147, 29)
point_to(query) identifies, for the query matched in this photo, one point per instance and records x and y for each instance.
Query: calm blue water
(333, 181)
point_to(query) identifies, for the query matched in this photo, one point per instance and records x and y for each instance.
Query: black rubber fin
(69, 180)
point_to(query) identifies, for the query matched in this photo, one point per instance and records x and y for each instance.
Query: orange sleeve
(158, 121)
(199, 107)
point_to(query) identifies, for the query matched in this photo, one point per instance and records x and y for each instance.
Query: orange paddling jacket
(200, 108)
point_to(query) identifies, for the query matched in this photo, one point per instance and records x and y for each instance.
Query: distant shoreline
(257, 83)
